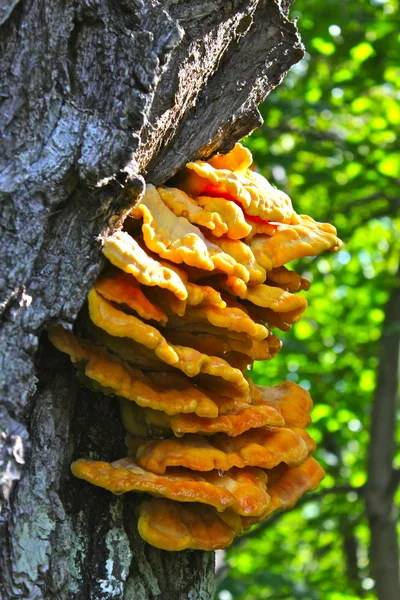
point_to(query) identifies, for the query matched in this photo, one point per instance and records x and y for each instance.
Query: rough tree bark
(383, 479)
(96, 96)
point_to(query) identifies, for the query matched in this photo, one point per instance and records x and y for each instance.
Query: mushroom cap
(276, 299)
(263, 447)
(287, 485)
(220, 216)
(169, 525)
(119, 324)
(294, 402)
(243, 254)
(221, 345)
(248, 417)
(287, 279)
(177, 240)
(191, 362)
(285, 405)
(223, 319)
(242, 490)
(230, 213)
(125, 253)
(281, 320)
(250, 190)
(172, 526)
(123, 288)
(198, 295)
(238, 159)
(169, 392)
(290, 241)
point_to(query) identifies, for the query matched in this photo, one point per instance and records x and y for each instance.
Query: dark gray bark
(97, 95)
(383, 479)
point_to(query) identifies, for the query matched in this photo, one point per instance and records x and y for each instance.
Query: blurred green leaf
(390, 165)
(323, 46)
(362, 52)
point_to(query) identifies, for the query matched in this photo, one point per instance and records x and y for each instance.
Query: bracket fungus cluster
(196, 282)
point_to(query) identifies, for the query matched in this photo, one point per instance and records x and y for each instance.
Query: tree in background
(329, 140)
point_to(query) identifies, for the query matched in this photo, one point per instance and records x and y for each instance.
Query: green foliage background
(329, 140)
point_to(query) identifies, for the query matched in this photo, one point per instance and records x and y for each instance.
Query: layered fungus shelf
(195, 284)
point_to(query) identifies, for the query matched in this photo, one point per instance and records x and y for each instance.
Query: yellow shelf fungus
(125, 253)
(242, 254)
(125, 289)
(253, 192)
(169, 525)
(306, 238)
(233, 423)
(191, 362)
(242, 490)
(198, 279)
(176, 239)
(264, 448)
(221, 345)
(220, 216)
(287, 280)
(172, 526)
(170, 392)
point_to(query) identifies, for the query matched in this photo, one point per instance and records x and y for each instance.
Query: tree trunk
(383, 479)
(96, 96)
